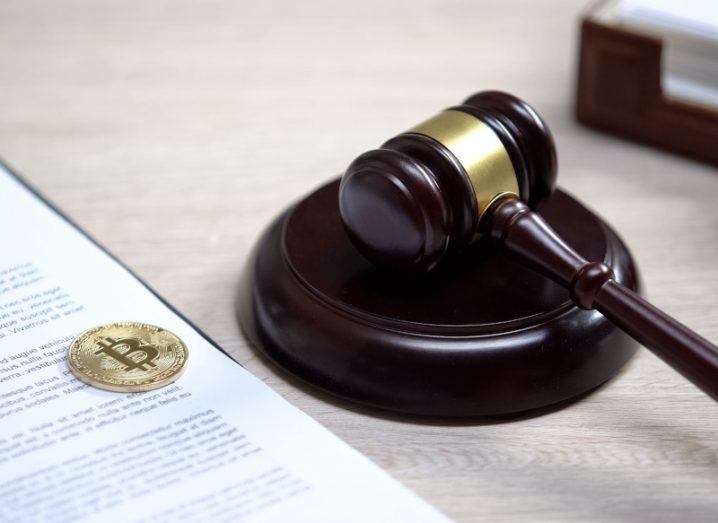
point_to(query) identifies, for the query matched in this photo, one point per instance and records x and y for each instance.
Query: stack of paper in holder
(649, 71)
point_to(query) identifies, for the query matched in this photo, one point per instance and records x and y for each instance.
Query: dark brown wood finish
(479, 335)
(409, 203)
(512, 225)
(529, 239)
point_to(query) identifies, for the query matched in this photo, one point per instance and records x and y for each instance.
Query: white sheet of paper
(218, 445)
(698, 18)
(688, 30)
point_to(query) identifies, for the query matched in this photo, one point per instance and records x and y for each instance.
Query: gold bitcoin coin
(127, 357)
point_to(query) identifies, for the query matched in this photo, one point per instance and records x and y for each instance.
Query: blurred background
(174, 131)
(194, 123)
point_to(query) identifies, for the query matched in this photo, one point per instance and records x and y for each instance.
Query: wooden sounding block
(480, 335)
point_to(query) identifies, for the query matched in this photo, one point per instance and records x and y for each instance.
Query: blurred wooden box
(651, 76)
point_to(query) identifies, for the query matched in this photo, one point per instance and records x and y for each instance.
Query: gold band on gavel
(479, 151)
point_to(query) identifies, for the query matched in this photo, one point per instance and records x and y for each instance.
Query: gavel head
(424, 192)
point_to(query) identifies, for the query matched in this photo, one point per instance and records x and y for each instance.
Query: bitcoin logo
(127, 357)
(109, 347)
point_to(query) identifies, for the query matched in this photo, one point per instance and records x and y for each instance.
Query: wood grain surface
(174, 131)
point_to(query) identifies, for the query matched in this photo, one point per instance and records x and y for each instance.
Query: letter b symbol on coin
(149, 352)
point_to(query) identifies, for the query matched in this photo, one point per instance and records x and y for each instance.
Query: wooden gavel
(476, 170)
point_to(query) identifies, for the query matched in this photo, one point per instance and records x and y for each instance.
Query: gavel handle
(530, 240)
(684, 350)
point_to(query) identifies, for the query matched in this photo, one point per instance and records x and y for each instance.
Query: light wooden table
(174, 131)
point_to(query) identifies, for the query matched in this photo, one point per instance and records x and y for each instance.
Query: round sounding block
(480, 335)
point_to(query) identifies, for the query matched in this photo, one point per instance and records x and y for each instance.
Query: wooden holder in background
(619, 91)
